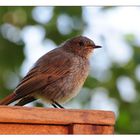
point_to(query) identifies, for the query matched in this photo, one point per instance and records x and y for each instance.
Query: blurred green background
(26, 33)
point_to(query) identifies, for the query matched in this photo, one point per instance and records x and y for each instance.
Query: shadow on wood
(27, 120)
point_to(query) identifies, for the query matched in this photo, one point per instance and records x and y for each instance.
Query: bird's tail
(9, 99)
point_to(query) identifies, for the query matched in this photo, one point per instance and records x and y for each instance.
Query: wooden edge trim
(38, 115)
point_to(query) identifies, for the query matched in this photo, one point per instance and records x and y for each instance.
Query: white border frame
(70, 2)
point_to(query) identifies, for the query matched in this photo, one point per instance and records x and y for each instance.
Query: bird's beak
(94, 46)
(97, 46)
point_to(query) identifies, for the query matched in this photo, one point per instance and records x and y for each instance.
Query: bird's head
(80, 45)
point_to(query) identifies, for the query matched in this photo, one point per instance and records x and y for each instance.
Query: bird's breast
(75, 80)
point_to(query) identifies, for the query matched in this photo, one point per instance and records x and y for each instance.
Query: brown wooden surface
(27, 120)
(38, 115)
(91, 129)
(32, 129)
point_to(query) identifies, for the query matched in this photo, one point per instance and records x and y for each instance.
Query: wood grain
(38, 115)
(91, 129)
(32, 129)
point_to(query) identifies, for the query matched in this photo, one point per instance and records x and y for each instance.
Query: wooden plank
(91, 129)
(39, 115)
(32, 129)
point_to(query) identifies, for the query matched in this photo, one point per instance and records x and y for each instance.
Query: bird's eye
(81, 43)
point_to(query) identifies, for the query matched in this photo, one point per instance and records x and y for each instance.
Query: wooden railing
(36, 120)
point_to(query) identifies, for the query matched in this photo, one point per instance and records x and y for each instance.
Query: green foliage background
(12, 57)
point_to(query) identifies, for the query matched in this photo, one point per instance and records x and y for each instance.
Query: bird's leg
(59, 105)
(56, 105)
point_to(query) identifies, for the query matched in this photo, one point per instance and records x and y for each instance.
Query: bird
(57, 76)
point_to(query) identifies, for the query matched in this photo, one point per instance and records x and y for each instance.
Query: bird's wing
(48, 69)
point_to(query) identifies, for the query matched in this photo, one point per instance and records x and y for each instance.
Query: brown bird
(57, 76)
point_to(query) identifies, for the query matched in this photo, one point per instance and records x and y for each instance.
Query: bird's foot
(56, 105)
